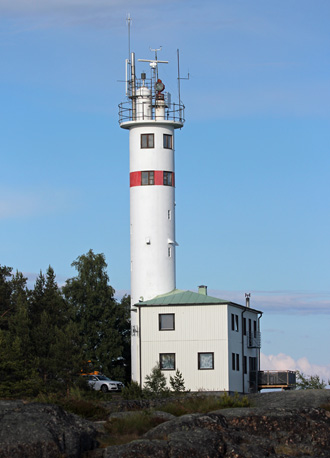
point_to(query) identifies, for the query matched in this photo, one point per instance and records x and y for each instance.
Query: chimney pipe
(202, 289)
(247, 299)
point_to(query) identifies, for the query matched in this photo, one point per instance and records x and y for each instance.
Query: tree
(54, 335)
(177, 382)
(155, 383)
(102, 321)
(310, 382)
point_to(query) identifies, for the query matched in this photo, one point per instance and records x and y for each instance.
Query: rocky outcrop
(42, 431)
(287, 424)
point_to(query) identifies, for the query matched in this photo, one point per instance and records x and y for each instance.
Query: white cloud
(286, 362)
(278, 301)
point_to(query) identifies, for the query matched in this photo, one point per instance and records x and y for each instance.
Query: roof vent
(247, 299)
(202, 289)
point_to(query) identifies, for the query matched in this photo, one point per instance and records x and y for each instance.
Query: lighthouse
(151, 119)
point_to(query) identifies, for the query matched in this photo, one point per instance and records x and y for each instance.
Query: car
(103, 383)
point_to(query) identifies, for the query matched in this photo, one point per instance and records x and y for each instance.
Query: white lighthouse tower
(151, 119)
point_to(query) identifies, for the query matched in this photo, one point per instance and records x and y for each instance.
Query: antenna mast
(128, 21)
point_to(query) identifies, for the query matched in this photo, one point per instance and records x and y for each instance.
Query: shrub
(177, 382)
(311, 382)
(132, 391)
(155, 384)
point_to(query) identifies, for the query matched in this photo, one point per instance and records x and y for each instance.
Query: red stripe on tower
(135, 179)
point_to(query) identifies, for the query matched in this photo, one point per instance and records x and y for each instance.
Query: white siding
(197, 329)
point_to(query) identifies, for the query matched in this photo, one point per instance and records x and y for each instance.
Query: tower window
(147, 140)
(167, 139)
(168, 178)
(147, 177)
(169, 214)
(169, 252)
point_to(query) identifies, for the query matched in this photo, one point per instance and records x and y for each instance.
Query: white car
(103, 383)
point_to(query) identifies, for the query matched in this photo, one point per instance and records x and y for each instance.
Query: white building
(214, 343)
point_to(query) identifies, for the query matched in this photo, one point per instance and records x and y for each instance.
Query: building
(214, 343)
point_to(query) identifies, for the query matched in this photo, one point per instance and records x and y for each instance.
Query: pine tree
(52, 320)
(99, 317)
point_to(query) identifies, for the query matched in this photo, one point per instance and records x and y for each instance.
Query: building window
(205, 361)
(166, 322)
(167, 141)
(255, 328)
(245, 364)
(148, 177)
(244, 326)
(167, 361)
(169, 214)
(168, 178)
(169, 251)
(253, 364)
(147, 140)
(235, 361)
(234, 322)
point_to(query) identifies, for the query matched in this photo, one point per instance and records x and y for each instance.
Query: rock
(287, 424)
(42, 431)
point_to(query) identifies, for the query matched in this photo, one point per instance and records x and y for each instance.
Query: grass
(84, 404)
(204, 404)
(122, 430)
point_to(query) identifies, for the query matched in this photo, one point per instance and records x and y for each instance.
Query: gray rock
(42, 431)
(280, 427)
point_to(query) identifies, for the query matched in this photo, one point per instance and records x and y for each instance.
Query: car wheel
(104, 388)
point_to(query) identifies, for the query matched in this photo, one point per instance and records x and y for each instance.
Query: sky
(252, 161)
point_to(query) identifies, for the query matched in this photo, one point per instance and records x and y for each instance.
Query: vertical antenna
(128, 22)
(178, 54)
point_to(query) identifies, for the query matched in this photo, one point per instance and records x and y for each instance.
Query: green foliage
(45, 338)
(155, 384)
(310, 382)
(132, 391)
(177, 382)
(103, 323)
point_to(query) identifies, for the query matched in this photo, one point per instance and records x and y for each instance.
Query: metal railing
(277, 378)
(174, 112)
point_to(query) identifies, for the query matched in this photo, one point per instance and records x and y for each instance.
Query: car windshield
(103, 377)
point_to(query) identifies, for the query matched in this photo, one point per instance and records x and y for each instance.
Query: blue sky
(252, 162)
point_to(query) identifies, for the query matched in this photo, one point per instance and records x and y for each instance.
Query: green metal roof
(180, 297)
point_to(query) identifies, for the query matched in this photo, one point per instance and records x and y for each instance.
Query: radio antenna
(128, 22)
(179, 77)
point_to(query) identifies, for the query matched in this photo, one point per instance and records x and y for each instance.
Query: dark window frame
(161, 362)
(160, 315)
(150, 177)
(244, 326)
(199, 361)
(150, 141)
(168, 141)
(244, 364)
(167, 178)
(234, 322)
